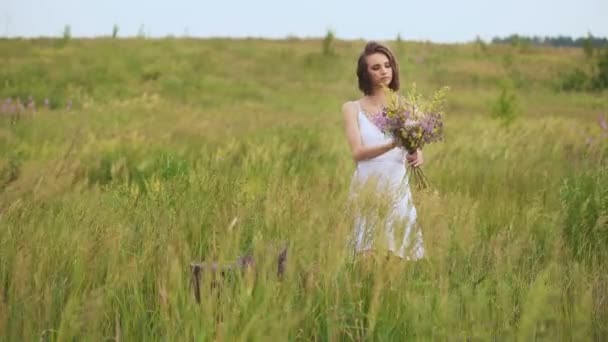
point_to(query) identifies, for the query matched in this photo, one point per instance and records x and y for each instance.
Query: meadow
(151, 154)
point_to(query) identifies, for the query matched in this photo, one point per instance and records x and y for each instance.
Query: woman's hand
(415, 159)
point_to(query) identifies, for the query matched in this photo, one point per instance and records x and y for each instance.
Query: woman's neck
(377, 98)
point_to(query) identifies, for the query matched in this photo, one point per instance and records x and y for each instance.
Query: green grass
(188, 150)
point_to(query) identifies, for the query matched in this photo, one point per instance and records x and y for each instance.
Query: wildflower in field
(603, 125)
(31, 105)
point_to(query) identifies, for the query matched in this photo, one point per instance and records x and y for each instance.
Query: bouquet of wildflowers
(414, 122)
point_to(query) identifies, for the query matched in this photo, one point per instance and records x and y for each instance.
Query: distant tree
(480, 44)
(399, 43)
(588, 46)
(328, 41)
(67, 32)
(517, 40)
(514, 40)
(115, 31)
(564, 41)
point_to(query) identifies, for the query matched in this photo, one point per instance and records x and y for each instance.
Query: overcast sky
(434, 20)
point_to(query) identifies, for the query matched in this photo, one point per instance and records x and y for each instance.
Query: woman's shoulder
(350, 106)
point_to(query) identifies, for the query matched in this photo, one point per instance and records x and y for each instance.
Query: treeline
(563, 41)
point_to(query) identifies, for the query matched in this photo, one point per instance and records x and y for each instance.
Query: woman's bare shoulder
(349, 107)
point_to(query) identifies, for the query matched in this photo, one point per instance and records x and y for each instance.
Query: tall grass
(180, 151)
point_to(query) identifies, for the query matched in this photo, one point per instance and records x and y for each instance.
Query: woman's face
(379, 69)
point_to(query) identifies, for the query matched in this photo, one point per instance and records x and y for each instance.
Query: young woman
(379, 161)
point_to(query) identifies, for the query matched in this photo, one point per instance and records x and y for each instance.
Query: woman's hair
(365, 84)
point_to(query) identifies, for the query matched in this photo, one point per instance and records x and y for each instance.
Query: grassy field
(175, 151)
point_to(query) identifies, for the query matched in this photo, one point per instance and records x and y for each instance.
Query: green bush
(579, 80)
(600, 79)
(9, 172)
(506, 108)
(575, 80)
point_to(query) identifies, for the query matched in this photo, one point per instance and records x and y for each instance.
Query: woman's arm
(358, 151)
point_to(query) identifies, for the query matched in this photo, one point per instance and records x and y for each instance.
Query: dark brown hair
(365, 84)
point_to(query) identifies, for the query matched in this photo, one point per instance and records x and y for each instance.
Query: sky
(441, 21)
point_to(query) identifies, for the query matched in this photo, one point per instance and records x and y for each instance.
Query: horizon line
(286, 37)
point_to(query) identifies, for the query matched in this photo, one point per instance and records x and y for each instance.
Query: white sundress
(386, 174)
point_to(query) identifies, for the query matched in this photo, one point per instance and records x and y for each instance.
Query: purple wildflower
(31, 105)
(602, 122)
(5, 106)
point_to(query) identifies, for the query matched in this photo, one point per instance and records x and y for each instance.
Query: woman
(379, 162)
